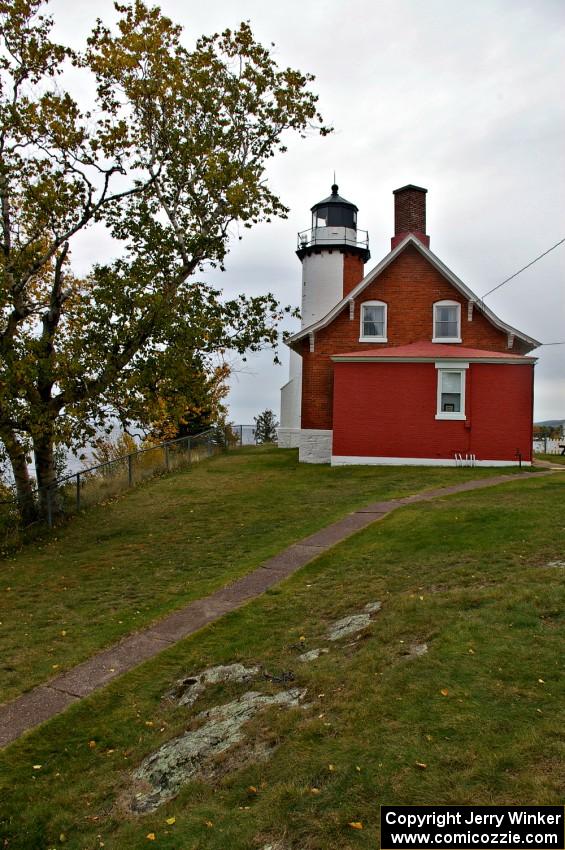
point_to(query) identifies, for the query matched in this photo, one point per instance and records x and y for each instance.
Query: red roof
(434, 351)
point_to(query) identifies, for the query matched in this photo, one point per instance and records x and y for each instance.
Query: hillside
(125, 563)
(449, 693)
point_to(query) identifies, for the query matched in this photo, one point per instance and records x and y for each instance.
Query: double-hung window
(447, 322)
(373, 322)
(451, 391)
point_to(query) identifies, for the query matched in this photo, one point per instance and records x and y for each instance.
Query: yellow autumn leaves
(151, 836)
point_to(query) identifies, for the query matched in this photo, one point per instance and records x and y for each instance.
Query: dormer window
(447, 321)
(373, 322)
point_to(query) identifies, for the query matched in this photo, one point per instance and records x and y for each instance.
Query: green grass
(467, 574)
(123, 564)
(550, 458)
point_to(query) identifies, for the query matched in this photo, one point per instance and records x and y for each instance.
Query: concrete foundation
(315, 446)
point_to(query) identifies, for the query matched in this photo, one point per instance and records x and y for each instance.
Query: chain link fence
(86, 487)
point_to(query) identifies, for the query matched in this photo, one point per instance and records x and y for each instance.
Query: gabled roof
(430, 352)
(442, 269)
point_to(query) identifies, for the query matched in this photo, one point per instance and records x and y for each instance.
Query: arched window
(373, 321)
(447, 321)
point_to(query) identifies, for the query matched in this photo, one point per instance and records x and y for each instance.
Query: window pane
(320, 217)
(450, 403)
(451, 382)
(451, 392)
(373, 321)
(446, 321)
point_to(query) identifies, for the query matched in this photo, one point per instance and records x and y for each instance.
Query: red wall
(388, 410)
(410, 286)
(353, 272)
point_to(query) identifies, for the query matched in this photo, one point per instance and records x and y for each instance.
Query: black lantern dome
(334, 211)
(334, 227)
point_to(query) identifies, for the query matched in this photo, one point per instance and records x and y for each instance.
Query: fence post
(166, 447)
(209, 445)
(240, 436)
(130, 470)
(49, 509)
(78, 491)
(189, 451)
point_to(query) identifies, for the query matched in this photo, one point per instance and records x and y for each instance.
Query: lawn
(478, 719)
(124, 564)
(551, 458)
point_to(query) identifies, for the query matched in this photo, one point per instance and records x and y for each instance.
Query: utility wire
(523, 270)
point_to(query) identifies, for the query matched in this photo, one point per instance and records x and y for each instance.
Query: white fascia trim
(435, 261)
(460, 416)
(353, 460)
(453, 363)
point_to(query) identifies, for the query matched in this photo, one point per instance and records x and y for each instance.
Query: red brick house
(403, 365)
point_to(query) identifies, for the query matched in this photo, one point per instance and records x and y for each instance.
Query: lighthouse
(333, 253)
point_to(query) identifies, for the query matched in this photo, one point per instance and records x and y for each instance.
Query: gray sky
(464, 99)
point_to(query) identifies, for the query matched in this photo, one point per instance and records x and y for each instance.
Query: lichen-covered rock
(354, 623)
(311, 655)
(417, 650)
(187, 690)
(191, 754)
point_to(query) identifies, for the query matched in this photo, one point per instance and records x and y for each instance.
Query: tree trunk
(27, 506)
(43, 450)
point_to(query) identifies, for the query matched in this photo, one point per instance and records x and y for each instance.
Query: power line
(551, 343)
(561, 241)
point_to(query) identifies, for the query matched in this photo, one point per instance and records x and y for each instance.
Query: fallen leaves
(444, 692)
(171, 821)
(421, 765)
(356, 824)
(150, 836)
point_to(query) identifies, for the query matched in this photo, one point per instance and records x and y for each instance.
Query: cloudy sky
(464, 99)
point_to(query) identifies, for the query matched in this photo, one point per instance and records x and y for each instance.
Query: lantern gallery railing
(333, 236)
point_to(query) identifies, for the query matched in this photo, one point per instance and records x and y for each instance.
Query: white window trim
(362, 337)
(461, 368)
(436, 338)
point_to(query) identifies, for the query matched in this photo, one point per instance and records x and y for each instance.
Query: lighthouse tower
(333, 253)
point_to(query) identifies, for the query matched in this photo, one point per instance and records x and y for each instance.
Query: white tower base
(288, 438)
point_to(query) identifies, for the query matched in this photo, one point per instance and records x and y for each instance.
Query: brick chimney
(409, 214)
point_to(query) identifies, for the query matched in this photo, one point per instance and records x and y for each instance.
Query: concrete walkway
(546, 464)
(53, 697)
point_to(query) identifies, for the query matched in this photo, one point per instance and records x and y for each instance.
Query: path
(49, 699)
